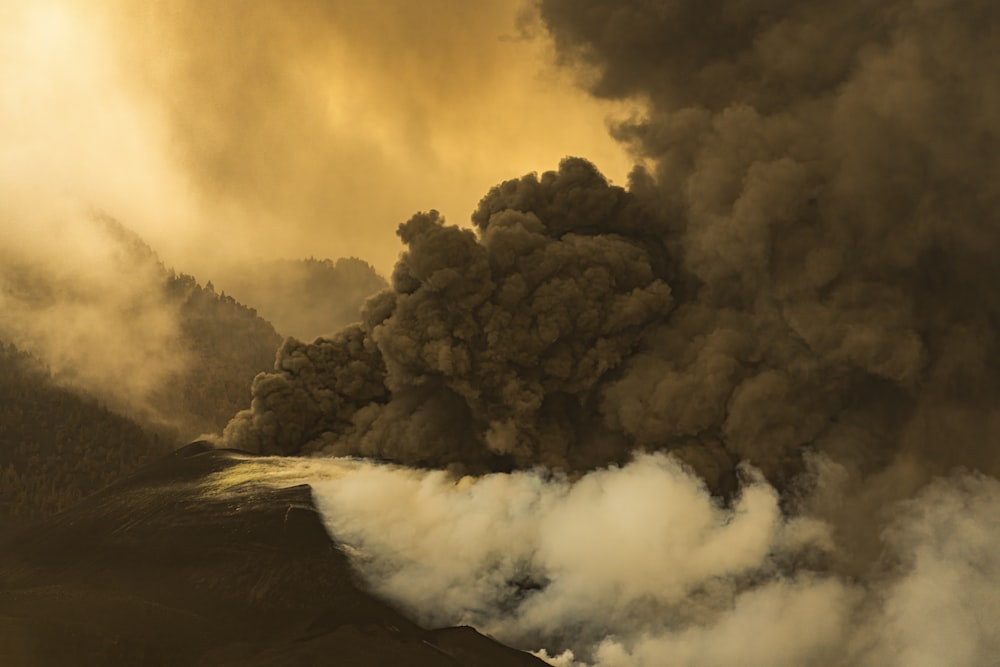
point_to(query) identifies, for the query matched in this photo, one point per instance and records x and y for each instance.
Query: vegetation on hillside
(228, 344)
(57, 446)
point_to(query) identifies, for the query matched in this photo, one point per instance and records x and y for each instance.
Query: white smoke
(639, 565)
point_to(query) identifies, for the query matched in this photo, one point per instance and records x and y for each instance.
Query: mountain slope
(111, 321)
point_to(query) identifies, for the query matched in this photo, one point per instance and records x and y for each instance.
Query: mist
(235, 133)
(65, 296)
(304, 298)
(96, 314)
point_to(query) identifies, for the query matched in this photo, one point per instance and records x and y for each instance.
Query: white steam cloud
(640, 566)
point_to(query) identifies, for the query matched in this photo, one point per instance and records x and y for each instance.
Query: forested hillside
(227, 345)
(109, 358)
(57, 446)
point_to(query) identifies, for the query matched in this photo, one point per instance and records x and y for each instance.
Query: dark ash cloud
(489, 350)
(806, 263)
(800, 277)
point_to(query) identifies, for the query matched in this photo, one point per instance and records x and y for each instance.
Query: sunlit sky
(222, 130)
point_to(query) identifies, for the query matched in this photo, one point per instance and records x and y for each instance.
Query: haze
(241, 129)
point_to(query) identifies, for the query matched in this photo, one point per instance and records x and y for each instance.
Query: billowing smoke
(639, 566)
(716, 415)
(488, 351)
(808, 264)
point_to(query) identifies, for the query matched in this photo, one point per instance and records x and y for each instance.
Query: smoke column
(787, 321)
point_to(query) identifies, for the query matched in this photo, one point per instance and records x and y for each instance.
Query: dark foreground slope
(151, 571)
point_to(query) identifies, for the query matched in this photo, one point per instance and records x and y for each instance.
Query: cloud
(321, 125)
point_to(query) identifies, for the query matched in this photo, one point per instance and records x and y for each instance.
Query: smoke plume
(740, 412)
(807, 264)
(717, 416)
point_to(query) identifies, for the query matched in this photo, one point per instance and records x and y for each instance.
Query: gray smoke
(489, 350)
(801, 277)
(831, 172)
(807, 263)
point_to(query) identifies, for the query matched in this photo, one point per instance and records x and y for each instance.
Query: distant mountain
(305, 298)
(158, 570)
(227, 345)
(228, 342)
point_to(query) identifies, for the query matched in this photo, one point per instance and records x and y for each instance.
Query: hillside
(60, 442)
(109, 320)
(227, 344)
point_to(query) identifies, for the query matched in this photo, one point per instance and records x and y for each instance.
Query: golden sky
(222, 130)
